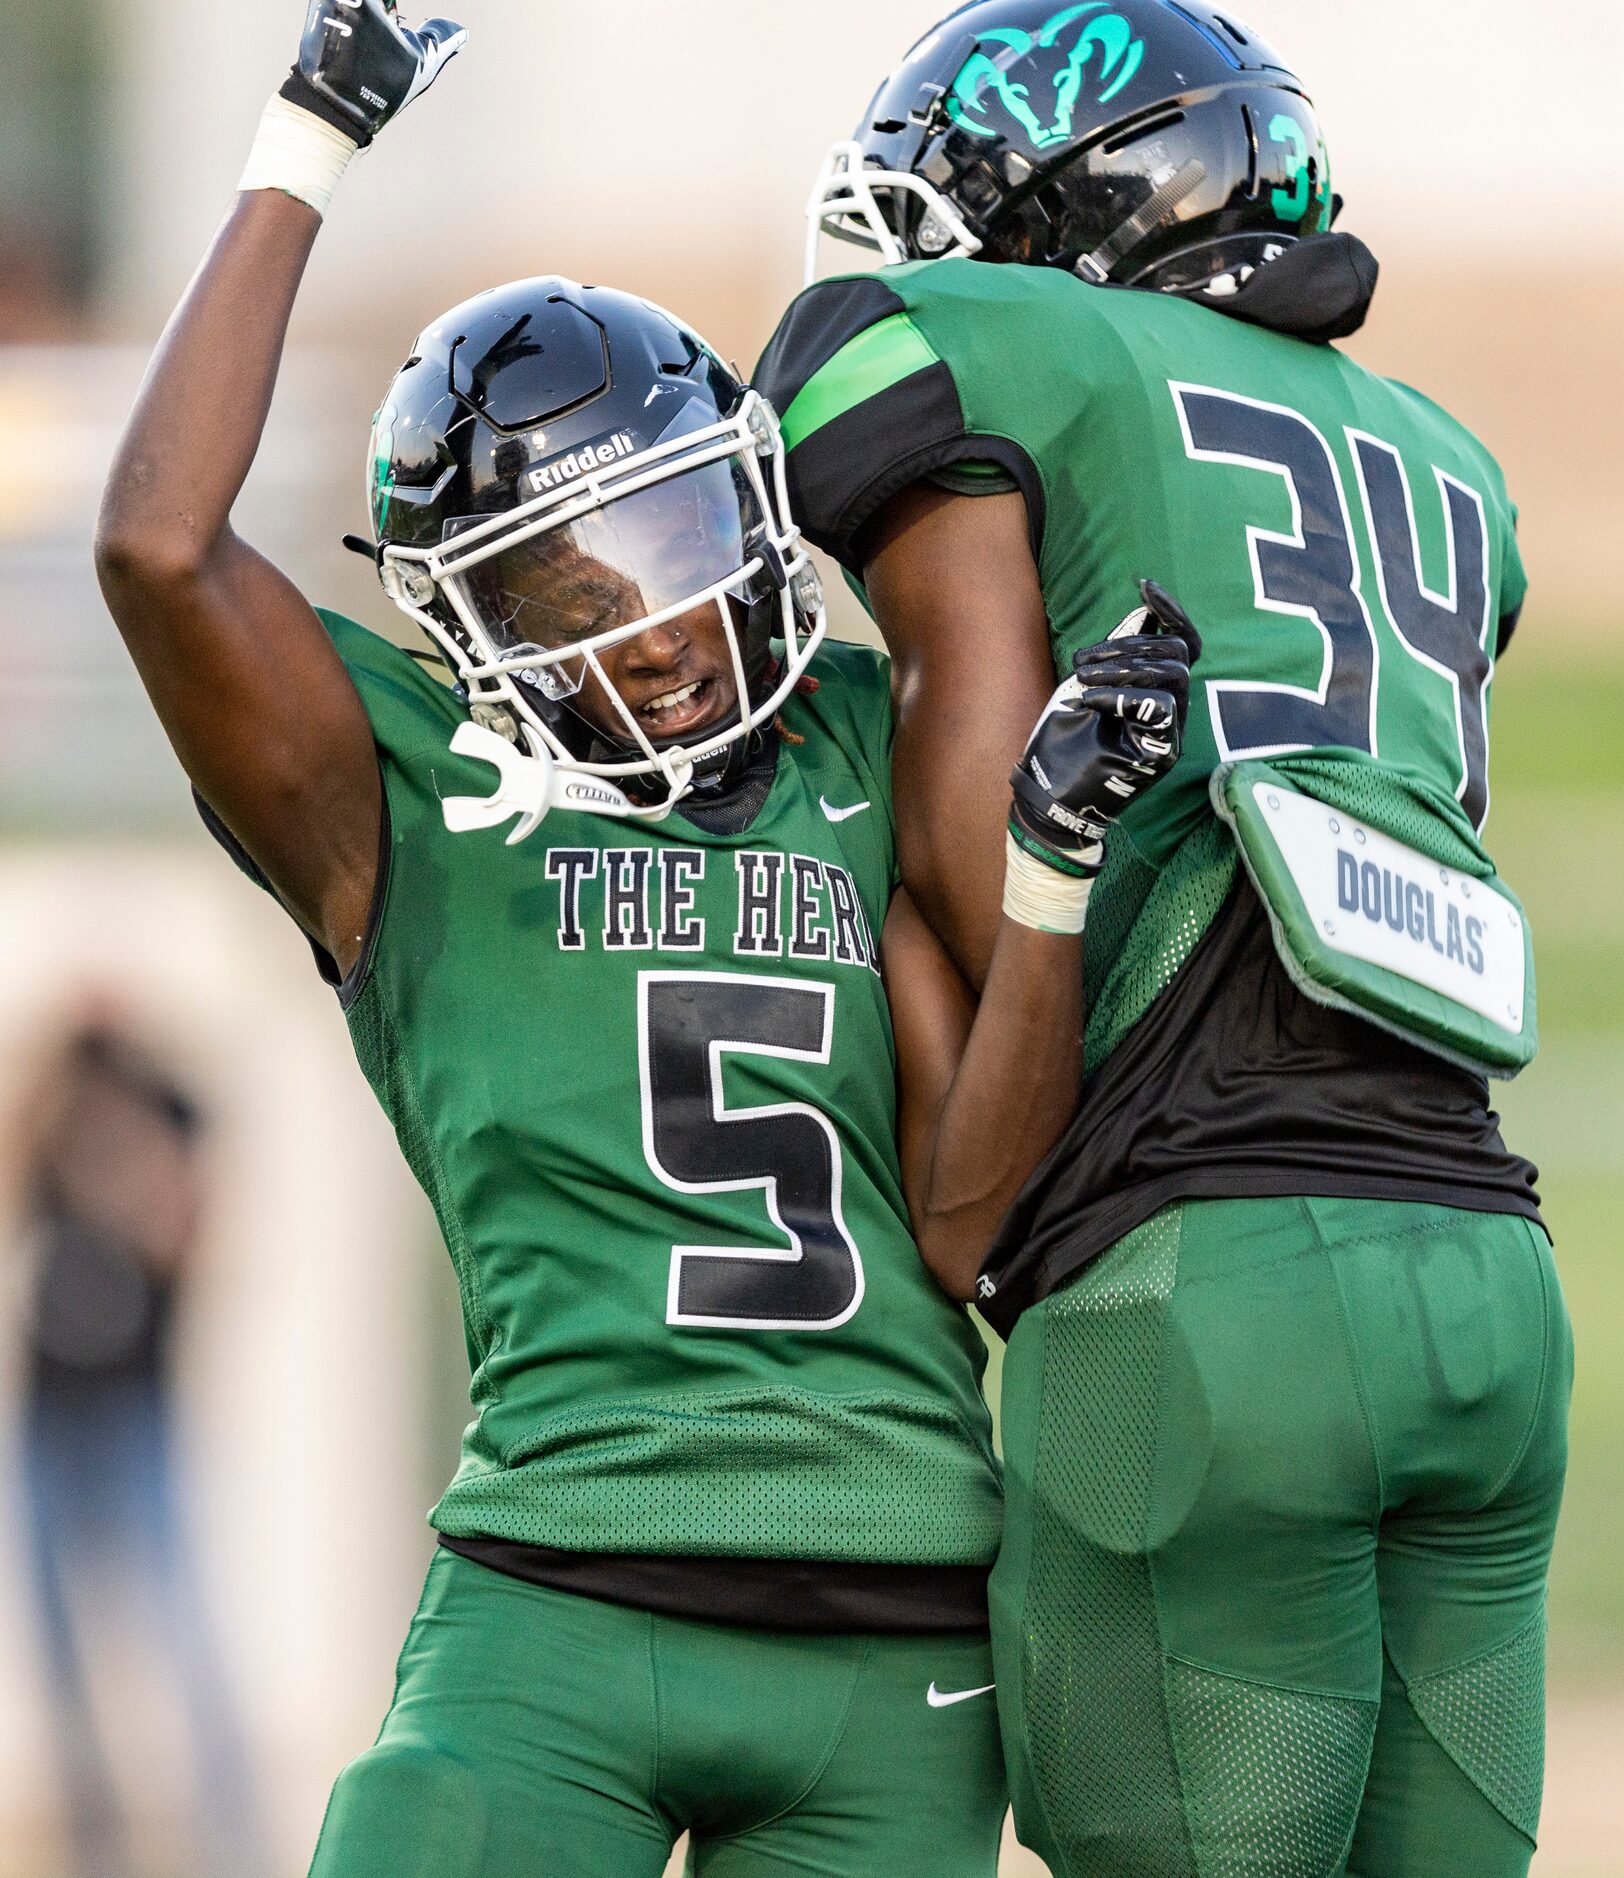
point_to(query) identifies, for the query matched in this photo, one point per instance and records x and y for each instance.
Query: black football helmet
(1153, 143)
(558, 469)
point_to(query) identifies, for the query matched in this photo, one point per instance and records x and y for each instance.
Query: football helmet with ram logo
(1151, 143)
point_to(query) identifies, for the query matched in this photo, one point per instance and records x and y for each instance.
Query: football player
(605, 914)
(1286, 1388)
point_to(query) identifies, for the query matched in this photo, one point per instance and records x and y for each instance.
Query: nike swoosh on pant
(937, 1699)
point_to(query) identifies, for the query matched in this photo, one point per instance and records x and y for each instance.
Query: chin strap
(531, 786)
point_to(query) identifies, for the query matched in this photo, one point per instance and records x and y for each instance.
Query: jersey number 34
(1313, 573)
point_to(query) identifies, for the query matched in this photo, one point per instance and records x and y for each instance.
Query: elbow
(142, 560)
(136, 563)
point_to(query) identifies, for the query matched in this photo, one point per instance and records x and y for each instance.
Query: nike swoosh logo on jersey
(842, 815)
(937, 1699)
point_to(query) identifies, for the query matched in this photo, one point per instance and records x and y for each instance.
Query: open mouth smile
(682, 709)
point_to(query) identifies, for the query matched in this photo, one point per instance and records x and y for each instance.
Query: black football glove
(359, 67)
(1111, 730)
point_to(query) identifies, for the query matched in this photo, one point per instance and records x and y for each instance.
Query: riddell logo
(579, 792)
(583, 462)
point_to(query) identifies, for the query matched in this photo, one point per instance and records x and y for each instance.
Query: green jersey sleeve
(408, 708)
(870, 406)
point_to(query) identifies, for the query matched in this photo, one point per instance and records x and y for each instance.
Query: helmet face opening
(627, 618)
(569, 593)
(620, 585)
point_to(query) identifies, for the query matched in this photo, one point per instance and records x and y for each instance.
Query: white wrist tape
(296, 152)
(1040, 896)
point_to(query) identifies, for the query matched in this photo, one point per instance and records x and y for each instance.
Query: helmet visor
(639, 557)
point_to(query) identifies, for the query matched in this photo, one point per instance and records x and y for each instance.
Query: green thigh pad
(1283, 1478)
(536, 1734)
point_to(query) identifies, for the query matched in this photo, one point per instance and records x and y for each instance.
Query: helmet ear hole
(808, 589)
(408, 583)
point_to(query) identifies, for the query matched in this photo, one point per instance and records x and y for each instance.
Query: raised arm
(988, 1087)
(955, 592)
(255, 700)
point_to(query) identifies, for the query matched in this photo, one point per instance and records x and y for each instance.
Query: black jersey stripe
(844, 472)
(783, 1594)
(825, 318)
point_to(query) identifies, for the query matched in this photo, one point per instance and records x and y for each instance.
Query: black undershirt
(755, 1594)
(1236, 1085)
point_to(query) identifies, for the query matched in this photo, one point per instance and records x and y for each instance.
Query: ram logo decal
(984, 83)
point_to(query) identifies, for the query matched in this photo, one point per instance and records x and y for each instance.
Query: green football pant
(535, 1734)
(1283, 1478)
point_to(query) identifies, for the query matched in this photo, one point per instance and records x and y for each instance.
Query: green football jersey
(1349, 554)
(646, 1076)
(1346, 547)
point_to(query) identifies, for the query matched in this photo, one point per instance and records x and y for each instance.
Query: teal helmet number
(1303, 196)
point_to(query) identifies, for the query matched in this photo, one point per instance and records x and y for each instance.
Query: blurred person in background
(1286, 1393)
(53, 113)
(113, 1191)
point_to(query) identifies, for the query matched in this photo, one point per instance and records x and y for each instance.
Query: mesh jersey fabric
(589, 1045)
(1482, 1714)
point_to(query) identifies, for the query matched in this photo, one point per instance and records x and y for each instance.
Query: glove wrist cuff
(1082, 860)
(347, 119)
(298, 153)
(1039, 895)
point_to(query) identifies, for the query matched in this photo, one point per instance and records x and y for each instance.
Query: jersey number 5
(1313, 573)
(688, 1024)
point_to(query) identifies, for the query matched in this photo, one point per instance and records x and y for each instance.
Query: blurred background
(231, 1375)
